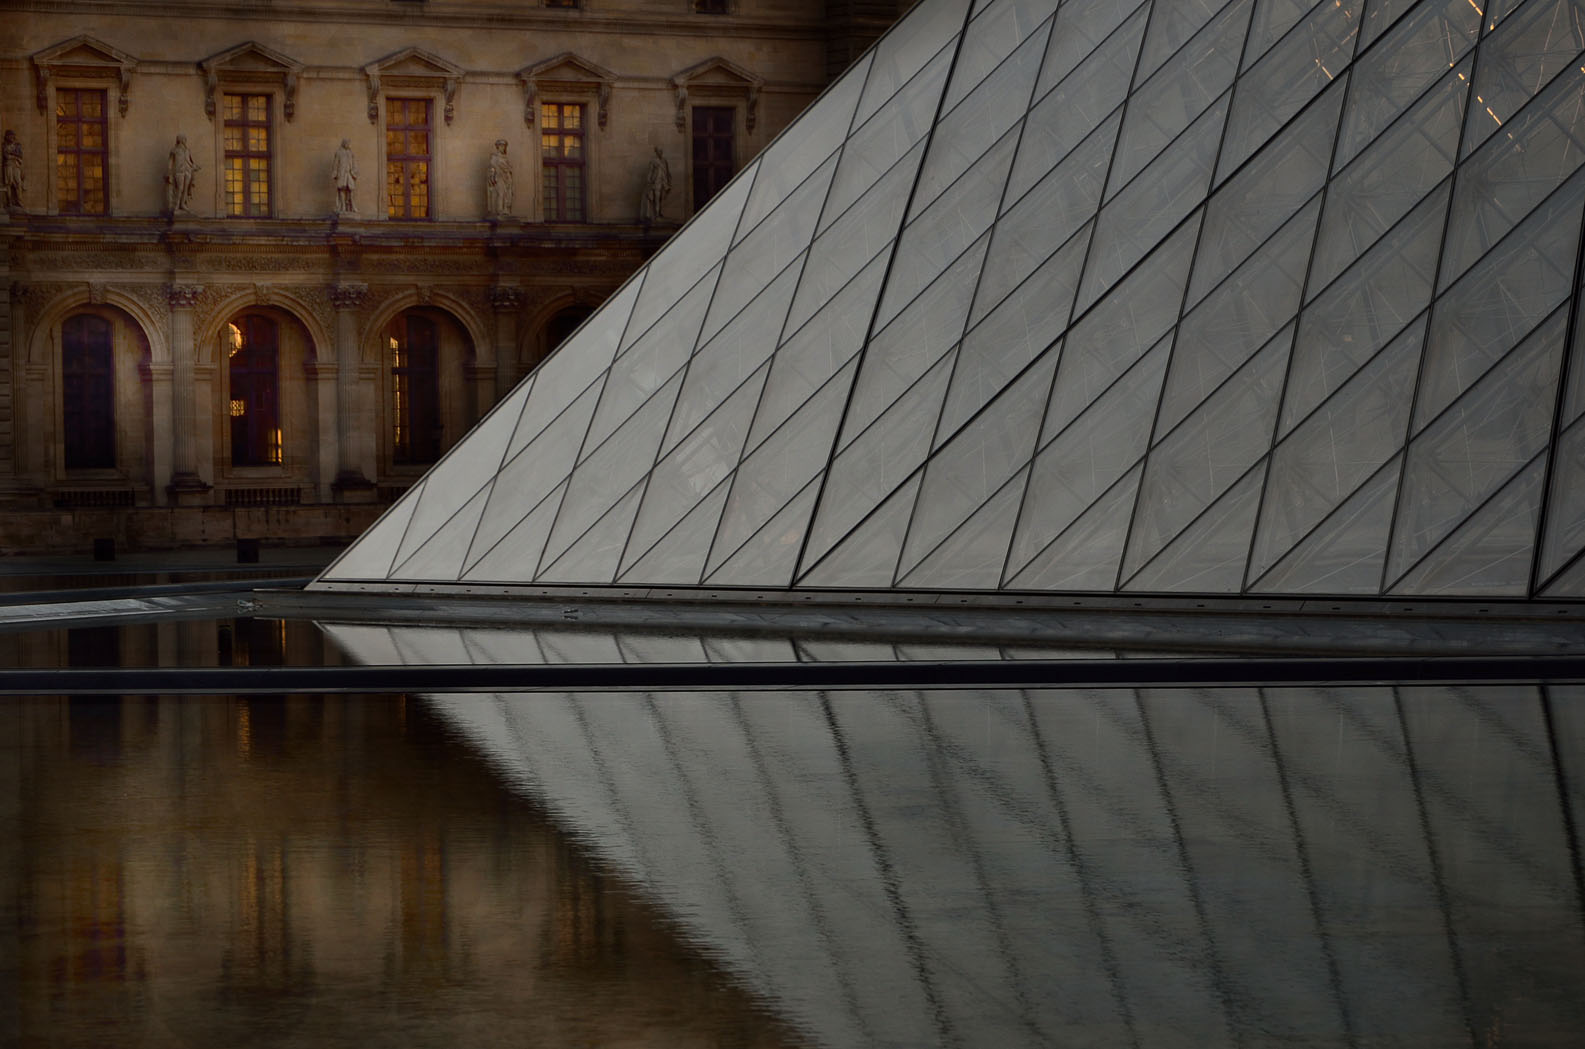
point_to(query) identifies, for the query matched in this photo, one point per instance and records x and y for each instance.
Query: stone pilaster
(508, 305)
(186, 486)
(350, 484)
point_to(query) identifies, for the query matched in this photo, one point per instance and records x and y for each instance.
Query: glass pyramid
(1205, 296)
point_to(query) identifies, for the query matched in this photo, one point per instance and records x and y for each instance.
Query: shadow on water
(307, 870)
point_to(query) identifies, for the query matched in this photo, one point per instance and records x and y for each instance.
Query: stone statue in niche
(12, 176)
(498, 183)
(344, 174)
(657, 184)
(180, 170)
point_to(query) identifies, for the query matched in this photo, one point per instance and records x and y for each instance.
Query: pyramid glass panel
(1180, 296)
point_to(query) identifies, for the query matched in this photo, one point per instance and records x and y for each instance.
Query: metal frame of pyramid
(1255, 297)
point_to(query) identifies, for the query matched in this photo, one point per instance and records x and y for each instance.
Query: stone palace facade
(264, 270)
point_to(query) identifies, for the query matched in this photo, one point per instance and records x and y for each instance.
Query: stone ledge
(32, 532)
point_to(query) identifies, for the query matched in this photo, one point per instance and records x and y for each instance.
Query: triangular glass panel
(1499, 301)
(1271, 22)
(972, 128)
(1085, 555)
(441, 557)
(1168, 102)
(1490, 552)
(1236, 319)
(516, 557)
(1173, 23)
(771, 554)
(1371, 303)
(1390, 177)
(678, 556)
(905, 50)
(805, 144)
(1294, 71)
(1519, 58)
(1343, 554)
(999, 347)
(1203, 457)
(1416, 54)
(1565, 514)
(1574, 399)
(761, 255)
(905, 349)
(814, 353)
(579, 361)
(725, 361)
(879, 459)
(867, 558)
(1066, 116)
(1050, 214)
(1381, 14)
(1143, 213)
(1088, 457)
(649, 362)
(993, 35)
(971, 558)
(689, 255)
(607, 473)
(867, 230)
(542, 465)
(1208, 556)
(594, 557)
(772, 473)
(695, 467)
(1483, 439)
(1081, 26)
(969, 467)
(1569, 583)
(1251, 206)
(1334, 450)
(471, 463)
(371, 556)
(1117, 332)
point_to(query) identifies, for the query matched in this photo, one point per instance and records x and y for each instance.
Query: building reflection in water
(305, 870)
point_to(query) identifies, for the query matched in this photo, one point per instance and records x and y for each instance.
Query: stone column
(508, 304)
(350, 484)
(186, 486)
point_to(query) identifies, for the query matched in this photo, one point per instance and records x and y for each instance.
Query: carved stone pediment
(565, 73)
(717, 78)
(251, 63)
(412, 68)
(83, 56)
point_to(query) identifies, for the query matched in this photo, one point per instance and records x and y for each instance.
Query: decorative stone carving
(344, 175)
(718, 78)
(83, 56)
(96, 293)
(11, 173)
(498, 183)
(251, 63)
(263, 293)
(348, 296)
(507, 299)
(421, 292)
(183, 296)
(413, 68)
(566, 74)
(180, 171)
(657, 184)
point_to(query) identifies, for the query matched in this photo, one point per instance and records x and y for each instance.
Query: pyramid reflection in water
(1183, 296)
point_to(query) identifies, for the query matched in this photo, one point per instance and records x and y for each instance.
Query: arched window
(415, 387)
(88, 393)
(255, 391)
(564, 324)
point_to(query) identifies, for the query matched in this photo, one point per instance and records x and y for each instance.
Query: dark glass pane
(88, 393)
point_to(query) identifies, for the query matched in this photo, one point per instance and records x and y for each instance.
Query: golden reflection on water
(306, 871)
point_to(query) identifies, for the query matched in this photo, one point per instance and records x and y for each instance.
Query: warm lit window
(247, 135)
(561, 151)
(713, 151)
(88, 393)
(415, 385)
(407, 157)
(80, 136)
(254, 375)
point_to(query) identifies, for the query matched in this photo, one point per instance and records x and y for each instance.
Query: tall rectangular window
(407, 157)
(713, 151)
(254, 381)
(561, 152)
(80, 151)
(247, 137)
(88, 393)
(415, 380)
